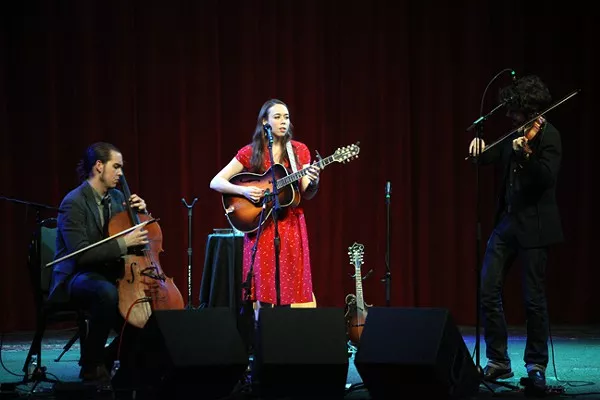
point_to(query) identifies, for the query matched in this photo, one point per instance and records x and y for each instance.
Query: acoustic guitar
(356, 308)
(245, 215)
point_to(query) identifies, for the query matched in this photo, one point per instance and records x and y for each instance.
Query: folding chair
(41, 252)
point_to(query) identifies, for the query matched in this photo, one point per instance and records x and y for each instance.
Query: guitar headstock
(347, 153)
(356, 253)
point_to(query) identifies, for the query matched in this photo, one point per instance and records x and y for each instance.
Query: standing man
(527, 223)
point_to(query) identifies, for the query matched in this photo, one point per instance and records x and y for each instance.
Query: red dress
(294, 258)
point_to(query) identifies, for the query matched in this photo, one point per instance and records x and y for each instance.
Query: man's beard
(107, 183)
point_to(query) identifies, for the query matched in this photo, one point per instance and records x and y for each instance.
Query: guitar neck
(359, 290)
(295, 176)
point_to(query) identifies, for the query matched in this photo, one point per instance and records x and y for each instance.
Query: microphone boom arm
(486, 116)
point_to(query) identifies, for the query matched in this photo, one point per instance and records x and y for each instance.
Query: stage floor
(574, 369)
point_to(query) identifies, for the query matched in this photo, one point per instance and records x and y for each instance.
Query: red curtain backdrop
(177, 87)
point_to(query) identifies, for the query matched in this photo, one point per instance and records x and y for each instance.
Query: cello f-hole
(132, 273)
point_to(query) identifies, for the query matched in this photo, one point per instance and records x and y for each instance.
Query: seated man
(89, 278)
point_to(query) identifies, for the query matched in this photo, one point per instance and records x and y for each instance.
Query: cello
(143, 287)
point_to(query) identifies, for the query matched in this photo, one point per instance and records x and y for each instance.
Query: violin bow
(553, 106)
(123, 232)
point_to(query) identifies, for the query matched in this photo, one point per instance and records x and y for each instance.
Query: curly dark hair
(99, 151)
(528, 94)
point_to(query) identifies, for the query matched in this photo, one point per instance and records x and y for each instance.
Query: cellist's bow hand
(137, 202)
(476, 147)
(137, 237)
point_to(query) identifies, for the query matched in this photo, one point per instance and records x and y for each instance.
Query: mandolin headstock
(356, 253)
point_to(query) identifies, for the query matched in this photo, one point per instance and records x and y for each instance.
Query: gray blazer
(78, 226)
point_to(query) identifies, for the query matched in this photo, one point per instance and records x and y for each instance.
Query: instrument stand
(387, 278)
(189, 251)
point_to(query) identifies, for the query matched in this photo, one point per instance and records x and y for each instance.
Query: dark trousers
(99, 295)
(502, 250)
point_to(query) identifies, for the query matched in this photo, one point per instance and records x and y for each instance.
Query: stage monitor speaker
(414, 351)
(300, 352)
(183, 352)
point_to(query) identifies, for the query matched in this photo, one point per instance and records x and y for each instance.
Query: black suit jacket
(79, 226)
(535, 209)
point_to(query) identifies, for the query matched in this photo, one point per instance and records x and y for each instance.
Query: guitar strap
(291, 156)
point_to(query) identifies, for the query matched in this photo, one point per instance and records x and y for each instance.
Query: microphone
(268, 133)
(509, 99)
(388, 190)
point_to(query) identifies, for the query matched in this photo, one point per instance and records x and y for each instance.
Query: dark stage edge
(574, 370)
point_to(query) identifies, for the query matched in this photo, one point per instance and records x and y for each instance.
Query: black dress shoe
(492, 373)
(536, 382)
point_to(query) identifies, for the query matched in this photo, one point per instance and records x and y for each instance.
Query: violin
(532, 132)
(144, 287)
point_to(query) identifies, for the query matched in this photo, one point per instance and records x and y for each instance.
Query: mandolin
(356, 308)
(244, 215)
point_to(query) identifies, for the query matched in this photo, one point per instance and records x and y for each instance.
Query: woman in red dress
(295, 283)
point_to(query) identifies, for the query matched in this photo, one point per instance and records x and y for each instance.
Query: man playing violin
(89, 278)
(527, 222)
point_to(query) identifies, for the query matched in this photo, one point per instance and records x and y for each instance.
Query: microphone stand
(37, 206)
(478, 239)
(38, 372)
(189, 251)
(388, 276)
(247, 310)
(478, 126)
(275, 213)
(247, 285)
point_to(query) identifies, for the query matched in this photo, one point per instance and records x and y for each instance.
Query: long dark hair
(99, 151)
(259, 141)
(528, 94)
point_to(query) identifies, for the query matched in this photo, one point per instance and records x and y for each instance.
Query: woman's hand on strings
(253, 193)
